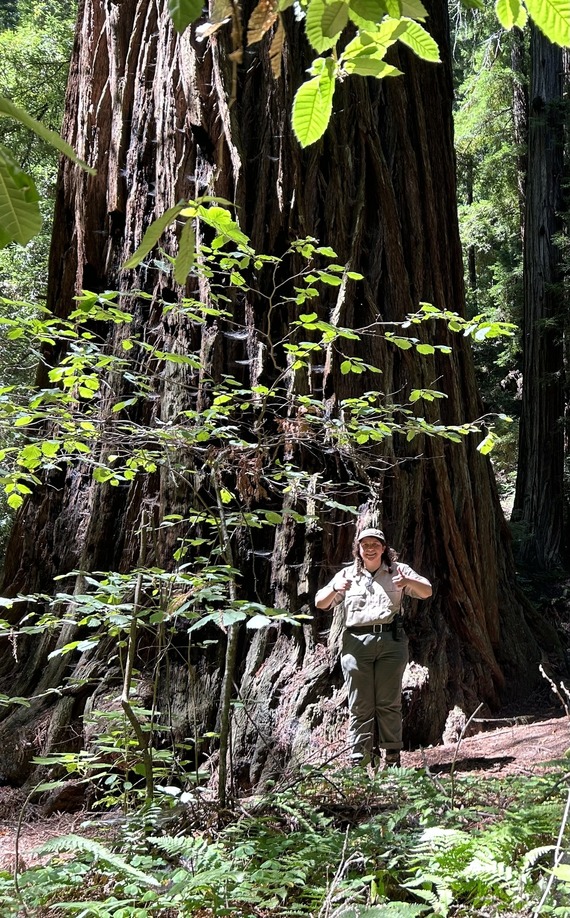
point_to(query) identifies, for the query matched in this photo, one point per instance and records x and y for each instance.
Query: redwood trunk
(539, 499)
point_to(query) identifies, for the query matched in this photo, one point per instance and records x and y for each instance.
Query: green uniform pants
(373, 666)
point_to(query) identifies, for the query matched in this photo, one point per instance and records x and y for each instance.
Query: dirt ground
(514, 748)
(519, 745)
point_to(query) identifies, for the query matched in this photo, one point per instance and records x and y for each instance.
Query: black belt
(373, 629)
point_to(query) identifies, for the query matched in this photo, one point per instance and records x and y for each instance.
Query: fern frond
(195, 849)
(532, 857)
(389, 910)
(99, 851)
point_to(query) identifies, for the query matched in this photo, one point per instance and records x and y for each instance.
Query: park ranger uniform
(374, 657)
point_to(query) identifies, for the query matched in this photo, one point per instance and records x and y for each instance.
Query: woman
(374, 644)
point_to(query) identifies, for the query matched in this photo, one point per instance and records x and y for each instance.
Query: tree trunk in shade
(539, 499)
(155, 113)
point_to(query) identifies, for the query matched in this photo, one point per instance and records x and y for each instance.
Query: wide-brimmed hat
(372, 534)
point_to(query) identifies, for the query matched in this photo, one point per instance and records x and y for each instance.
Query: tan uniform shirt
(372, 599)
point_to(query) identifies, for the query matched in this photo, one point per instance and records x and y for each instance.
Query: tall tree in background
(539, 499)
(164, 118)
(510, 270)
(488, 144)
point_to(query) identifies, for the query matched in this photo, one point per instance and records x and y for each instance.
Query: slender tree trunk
(539, 499)
(166, 118)
(471, 251)
(519, 67)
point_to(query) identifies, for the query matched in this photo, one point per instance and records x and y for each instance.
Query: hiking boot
(393, 758)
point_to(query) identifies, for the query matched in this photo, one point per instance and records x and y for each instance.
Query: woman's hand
(341, 583)
(399, 580)
(417, 586)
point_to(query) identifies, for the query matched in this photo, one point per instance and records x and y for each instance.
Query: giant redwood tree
(166, 118)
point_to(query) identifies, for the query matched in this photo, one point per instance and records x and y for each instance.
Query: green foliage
(35, 45)
(363, 55)
(20, 217)
(34, 54)
(358, 34)
(552, 17)
(323, 842)
(490, 208)
(47, 428)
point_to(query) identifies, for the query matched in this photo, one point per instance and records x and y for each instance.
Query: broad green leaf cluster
(362, 55)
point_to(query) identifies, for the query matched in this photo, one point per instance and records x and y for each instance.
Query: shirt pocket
(355, 600)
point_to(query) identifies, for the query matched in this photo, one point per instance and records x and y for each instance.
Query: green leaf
(335, 18)
(420, 41)
(403, 343)
(152, 235)
(183, 12)
(369, 15)
(10, 110)
(315, 29)
(186, 251)
(228, 617)
(312, 106)
(258, 621)
(486, 445)
(368, 44)
(20, 217)
(76, 843)
(333, 280)
(102, 475)
(30, 455)
(553, 18)
(511, 13)
(367, 12)
(371, 66)
(222, 221)
(414, 9)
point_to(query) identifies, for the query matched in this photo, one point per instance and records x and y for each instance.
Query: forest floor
(517, 744)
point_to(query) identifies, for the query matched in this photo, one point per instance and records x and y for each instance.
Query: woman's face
(371, 551)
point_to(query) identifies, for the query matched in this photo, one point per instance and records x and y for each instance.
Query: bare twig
(558, 855)
(142, 739)
(344, 864)
(556, 690)
(456, 753)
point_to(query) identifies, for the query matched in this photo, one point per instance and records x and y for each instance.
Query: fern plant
(328, 846)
